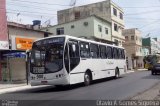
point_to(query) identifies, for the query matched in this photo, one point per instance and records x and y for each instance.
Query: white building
(92, 27)
(133, 46)
(105, 9)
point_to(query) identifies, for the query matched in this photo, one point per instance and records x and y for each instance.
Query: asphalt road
(108, 89)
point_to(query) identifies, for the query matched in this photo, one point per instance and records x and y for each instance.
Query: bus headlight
(59, 75)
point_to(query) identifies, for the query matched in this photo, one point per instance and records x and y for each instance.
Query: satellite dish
(72, 3)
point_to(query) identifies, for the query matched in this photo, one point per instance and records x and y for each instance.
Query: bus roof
(81, 39)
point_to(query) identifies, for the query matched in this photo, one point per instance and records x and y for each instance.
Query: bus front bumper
(59, 81)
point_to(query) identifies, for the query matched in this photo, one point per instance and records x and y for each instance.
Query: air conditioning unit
(85, 23)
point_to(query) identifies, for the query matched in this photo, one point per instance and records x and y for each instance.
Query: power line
(142, 7)
(34, 7)
(155, 22)
(38, 2)
(146, 12)
(27, 14)
(135, 18)
(32, 12)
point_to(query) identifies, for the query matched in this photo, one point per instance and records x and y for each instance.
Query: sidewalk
(7, 87)
(152, 93)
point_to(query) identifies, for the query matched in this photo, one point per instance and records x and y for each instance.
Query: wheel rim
(87, 79)
(117, 73)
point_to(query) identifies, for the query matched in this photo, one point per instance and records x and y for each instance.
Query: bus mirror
(74, 48)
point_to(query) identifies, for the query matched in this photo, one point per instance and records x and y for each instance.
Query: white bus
(65, 60)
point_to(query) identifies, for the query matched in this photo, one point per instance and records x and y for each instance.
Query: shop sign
(4, 45)
(24, 43)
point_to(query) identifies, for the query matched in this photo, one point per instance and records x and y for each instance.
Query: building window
(106, 31)
(121, 16)
(115, 27)
(60, 31)
(100, 28)
(132, 37)
(77, 15)
(114, 11)
(136, 38)
(116, 41)
(126, 38)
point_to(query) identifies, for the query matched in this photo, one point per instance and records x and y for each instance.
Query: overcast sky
(142, 14)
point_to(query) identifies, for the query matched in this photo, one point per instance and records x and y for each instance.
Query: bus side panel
(77, 74)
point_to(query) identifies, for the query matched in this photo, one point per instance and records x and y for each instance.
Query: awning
(16, 55)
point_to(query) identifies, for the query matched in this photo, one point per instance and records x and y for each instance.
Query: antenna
(72, 3)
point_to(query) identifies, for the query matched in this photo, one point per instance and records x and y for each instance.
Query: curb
(20, 88)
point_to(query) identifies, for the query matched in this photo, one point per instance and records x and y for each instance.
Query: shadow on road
(63, 88)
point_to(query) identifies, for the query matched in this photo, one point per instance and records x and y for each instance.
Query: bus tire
(117, 74)
(87, 78)
(152, 72)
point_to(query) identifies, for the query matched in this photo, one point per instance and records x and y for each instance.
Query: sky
(141, 14)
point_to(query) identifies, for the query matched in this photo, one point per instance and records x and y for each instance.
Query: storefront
(14, 61)
(4, 46)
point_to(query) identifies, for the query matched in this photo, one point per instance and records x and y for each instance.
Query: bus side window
(94, 51)
(109, 53)
(115, 53)
(120, 53)
(103, 52)
(123, 54)
(84, 50)
(74, 53)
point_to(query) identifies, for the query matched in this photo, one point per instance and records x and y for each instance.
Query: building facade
(151, 44)
(13, 61)
(133, 46)
(106, 10)
(4, 45)
(92, 27)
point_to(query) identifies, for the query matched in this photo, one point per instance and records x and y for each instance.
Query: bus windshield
(47, 57)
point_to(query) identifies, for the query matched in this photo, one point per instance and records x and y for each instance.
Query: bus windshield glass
(47, 55)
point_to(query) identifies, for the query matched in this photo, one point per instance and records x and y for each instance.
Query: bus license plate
(40, 76)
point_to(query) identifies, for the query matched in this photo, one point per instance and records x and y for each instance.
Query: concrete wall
(102, 35)
(22, 33)
(117, 35)
(14, 31)
(101, 9)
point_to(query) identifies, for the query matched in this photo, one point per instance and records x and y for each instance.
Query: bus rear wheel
(87, 79)
(117, 74)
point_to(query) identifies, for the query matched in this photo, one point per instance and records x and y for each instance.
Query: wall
(101, 9)
(80, 30)
(22, 33)
(102, 35)
(3, 21)
(154, 46)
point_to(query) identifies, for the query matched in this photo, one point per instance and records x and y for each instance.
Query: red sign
(3, 21)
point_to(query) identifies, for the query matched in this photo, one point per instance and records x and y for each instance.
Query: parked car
(155, 69)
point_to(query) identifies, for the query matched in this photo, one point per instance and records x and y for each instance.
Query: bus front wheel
(87, 79)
